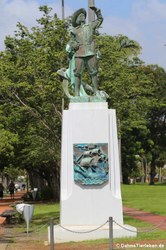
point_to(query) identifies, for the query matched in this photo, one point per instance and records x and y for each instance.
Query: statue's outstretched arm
(99, 19)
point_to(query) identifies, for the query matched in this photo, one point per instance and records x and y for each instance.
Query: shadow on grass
(160, 184)
(41, 219)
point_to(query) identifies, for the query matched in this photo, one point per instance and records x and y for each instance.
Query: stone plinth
(85, 207)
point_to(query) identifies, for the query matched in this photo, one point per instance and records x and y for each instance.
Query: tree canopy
(31, 100)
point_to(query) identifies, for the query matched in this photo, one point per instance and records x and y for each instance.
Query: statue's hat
(76, 14)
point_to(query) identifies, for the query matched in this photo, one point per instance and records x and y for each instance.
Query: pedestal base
(84, 125)
(86, 232)
(85, 204)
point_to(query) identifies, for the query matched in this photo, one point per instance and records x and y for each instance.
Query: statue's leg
(79, 66)
(93, 69)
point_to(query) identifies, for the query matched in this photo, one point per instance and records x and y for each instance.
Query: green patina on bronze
(90, 162)
(82, 55)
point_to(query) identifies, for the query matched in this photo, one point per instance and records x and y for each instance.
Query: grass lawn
(144, 230)
(43, 212)
(142, 197)
(148, 198)
(139, 196)
(145, 197)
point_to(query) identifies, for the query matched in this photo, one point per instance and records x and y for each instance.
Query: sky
(141, 20)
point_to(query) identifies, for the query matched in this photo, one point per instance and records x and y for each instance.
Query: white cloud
(146, 24)
(14, 11)
(115, 25)
(150, 10)
(24, 11)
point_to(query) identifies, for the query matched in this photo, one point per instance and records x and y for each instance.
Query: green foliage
(31, 95)
(46, 193)
(12, 172)
(156, 117)
(7, 140)
(30, 100)
(137, 93)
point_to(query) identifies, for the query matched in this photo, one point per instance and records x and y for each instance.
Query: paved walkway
(6, 204)
(2, 209)
(153, 219)
(7, 199)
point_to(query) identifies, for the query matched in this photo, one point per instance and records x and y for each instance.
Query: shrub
(46, 193)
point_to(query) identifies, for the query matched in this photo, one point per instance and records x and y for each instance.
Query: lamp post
(91, 14)
(63, 17)
(63, 10)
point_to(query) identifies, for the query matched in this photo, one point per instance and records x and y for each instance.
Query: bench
(9, 215)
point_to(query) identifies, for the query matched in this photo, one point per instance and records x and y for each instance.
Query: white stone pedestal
(62, 235)
(86, 207)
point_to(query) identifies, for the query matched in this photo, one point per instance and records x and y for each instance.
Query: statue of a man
(82, 47)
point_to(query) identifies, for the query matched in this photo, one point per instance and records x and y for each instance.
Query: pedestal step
(94, 232)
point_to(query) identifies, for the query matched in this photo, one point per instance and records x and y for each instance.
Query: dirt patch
(39, 242)
(10, 240)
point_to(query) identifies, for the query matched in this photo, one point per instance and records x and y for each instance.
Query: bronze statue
(82, 44)
(82, 54)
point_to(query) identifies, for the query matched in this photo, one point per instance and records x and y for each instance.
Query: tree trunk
(51, 179)
(125, 179)
(36, 181)
(54, 183)
(144, 162)
(152, 170)
(55, 186)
